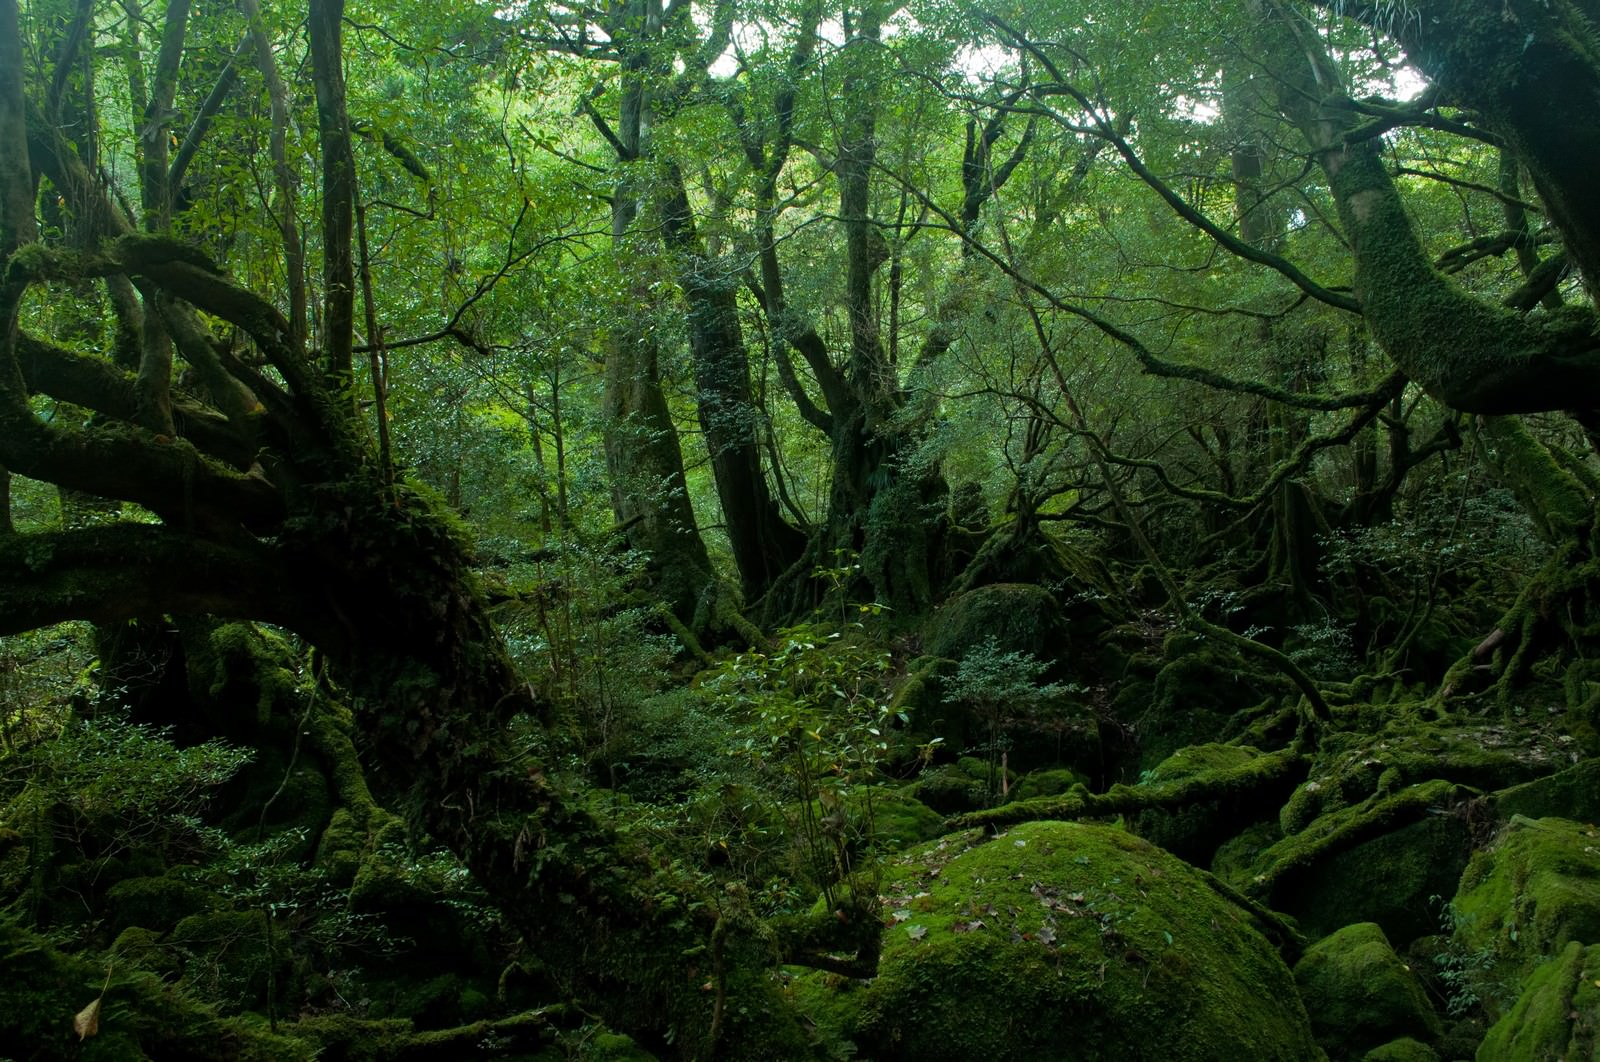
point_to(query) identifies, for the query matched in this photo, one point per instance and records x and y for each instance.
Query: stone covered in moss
(1194, 698)
(1053, 781)
(157, 903)
(948, 790)
(1571, 794)
(1530, 894)
(900, 820)
(1074, 943)
(1557, 1017)
(1195, 832)
(1360, 994)
(1356, 765)
(1394, 880)
(1404, 1049)
(1018, 617)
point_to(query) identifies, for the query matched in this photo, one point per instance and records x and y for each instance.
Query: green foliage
(107, 786)
(1007, 693)
(812, 713)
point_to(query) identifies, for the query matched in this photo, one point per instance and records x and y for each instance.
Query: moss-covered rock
(1050, 782)
(157, 903)
(1377, 861)
(948, 790)
(1194, 832)
(900, 820)
(1530, 894)
(1360, 994)
(1570, 794)
(1018, 617)
(1404, 1049)
(1394, 880)
(1557, 1016)
(1075, 943)
(1355, 765)
(1193, 699)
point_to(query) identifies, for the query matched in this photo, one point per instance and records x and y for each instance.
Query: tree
(269, 503)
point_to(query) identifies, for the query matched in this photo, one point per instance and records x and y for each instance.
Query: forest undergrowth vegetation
(719, 530)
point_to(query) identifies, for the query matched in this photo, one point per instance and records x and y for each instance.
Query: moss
(1360, 994)
(157, 903)
(1573, 793)
(1404, 1049)
(141, 1016)
(1557, 1016)
(1052, 782)
(1379, 862)
(900, 820)
(229, 955)
(1356, 765)
(1195, 695)
(1019, 617)
(613, 1047)
(1195, 831)
(1071, 942)
(948, 790)
(1530, 894)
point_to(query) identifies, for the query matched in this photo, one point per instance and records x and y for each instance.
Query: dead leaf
(916, 932)
(87, 1021)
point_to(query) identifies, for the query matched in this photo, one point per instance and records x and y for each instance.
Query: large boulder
(1525, 899)
(1557, 1017)
(1361, 995)
(1072, 943)
(1529, 895)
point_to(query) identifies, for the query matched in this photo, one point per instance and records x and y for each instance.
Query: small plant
(1005, 691)
(814, 710)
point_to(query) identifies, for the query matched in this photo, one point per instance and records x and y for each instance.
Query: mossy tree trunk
(1531, 72)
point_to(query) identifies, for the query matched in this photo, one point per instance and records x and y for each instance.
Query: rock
(1557, 1017)
(1360, 994)
(1529, 895)
(1075, 943)
(1404, 1049)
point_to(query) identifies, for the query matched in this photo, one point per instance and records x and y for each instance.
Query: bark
(649, 493)
(1530, 71)
(764, 544)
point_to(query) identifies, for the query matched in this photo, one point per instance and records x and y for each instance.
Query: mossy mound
(1076, 943)
(900, 820)
(157, 903)
(948, 790)
(1557, 1017)
(1195, 831)
(1195, 697)
(1394, 879)
(1053, 781)
(1018, 617)
(1360, 994)
(1571, 794)
(1530, 894)
(1404, 1049)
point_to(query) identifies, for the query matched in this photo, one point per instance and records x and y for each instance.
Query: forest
(799, 530)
